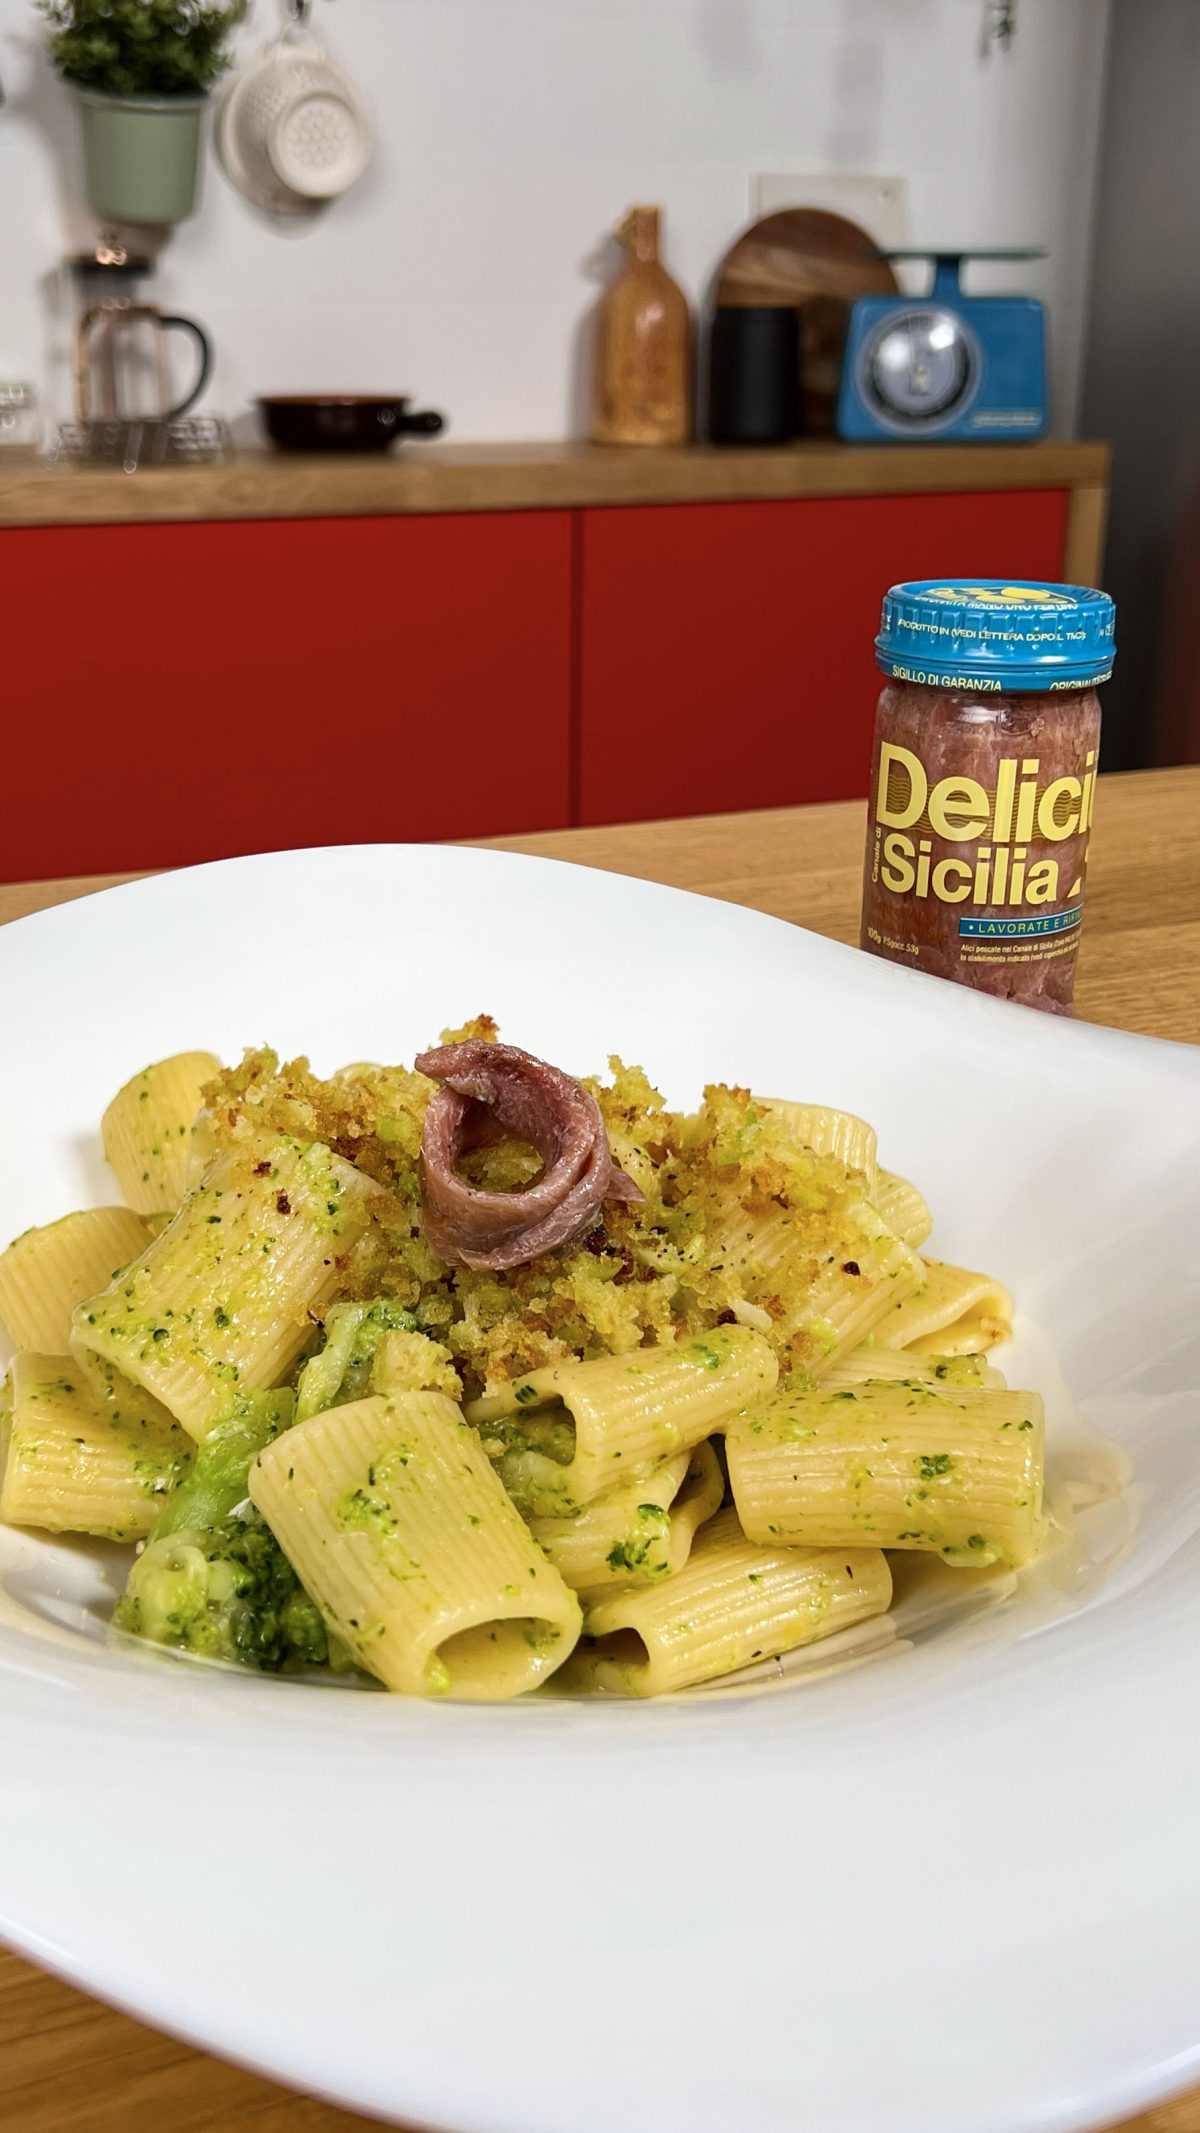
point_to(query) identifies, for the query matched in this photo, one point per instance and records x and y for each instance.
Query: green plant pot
(141, 155)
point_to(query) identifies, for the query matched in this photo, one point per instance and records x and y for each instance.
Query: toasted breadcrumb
(408, 1362)
(686, 1257)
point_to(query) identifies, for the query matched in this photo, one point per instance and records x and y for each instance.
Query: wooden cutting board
(820, 262)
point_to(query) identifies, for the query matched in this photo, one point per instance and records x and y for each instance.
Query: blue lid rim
(1014, 635)
(1012, 681)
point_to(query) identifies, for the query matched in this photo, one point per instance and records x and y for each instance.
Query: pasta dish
(472, 1377)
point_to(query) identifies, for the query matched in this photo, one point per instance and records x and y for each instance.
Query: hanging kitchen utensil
(293, 131)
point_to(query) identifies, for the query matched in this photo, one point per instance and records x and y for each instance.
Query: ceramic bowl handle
(424, 423)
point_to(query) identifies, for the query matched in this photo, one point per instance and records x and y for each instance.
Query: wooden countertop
(66, 2061)
(522, 477)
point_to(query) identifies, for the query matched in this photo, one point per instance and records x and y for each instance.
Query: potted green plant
(142, 70)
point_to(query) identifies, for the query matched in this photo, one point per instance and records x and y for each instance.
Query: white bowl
(954, 1889)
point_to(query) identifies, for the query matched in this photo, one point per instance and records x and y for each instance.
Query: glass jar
(983, 782)
(20, 421)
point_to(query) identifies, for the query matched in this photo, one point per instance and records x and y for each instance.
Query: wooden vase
(642, 383)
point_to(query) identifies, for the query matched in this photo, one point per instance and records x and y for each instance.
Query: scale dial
(919, 368)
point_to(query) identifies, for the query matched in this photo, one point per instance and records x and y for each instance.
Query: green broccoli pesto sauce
(548, 1430)
(228, 1593)
(365, 1511)
(931, 1464)
(340, 1370)
(976, 1553)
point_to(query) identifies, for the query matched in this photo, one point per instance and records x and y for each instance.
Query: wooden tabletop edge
(433, 478)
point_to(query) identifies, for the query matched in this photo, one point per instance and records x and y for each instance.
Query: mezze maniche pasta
(470, 1378)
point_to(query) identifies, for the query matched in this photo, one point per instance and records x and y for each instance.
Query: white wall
(513, 133)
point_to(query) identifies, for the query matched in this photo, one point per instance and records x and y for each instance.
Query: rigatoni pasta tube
(698, 1499)
(828, 1132)
(951, 1311)
(945, 1468)
(857, 1288)
(126, 1404)
(147, 1129)
(221, 1302)
(821, 1306)
(903, 1208)
(393, 1519)
(75, 1465)
(46, 1272)
(868, 1364)
(567, 1434)
(731, 1604)
(638, 1532)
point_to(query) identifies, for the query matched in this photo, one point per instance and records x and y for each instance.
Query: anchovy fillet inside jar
(1013, 869)
(488, 1089)
(983, 779)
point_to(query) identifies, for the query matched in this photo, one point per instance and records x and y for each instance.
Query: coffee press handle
(204, 348)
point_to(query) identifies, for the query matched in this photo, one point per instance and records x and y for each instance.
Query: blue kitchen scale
(946, 365)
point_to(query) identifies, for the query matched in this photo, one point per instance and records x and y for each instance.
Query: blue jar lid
(994, 635)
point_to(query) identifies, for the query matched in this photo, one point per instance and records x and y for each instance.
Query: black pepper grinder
(754, 374)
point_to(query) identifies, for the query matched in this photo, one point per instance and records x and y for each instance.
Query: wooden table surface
(69, 2065)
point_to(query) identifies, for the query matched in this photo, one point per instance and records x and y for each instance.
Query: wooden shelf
(527, 477)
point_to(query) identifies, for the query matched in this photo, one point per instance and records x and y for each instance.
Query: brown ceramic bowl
(344, 422)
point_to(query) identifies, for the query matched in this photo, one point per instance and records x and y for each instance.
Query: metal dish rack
(190, 441)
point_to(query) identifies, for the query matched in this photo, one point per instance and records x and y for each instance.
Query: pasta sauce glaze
(982, 793)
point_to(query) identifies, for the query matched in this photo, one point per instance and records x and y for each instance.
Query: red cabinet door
(183, 692)
(726, 656)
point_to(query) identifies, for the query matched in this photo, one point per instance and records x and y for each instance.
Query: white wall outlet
(878, 205)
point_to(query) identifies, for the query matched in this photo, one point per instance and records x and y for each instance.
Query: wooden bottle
(642, 383)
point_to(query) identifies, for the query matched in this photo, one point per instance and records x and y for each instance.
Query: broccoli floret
(212, 1579)
(228, 1593)
(304, 1632)
(340, 1370)
(219, 1475)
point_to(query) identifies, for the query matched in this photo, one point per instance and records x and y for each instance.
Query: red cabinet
(725, 652)
(182, 692)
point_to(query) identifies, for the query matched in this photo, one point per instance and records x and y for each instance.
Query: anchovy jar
(983, 782)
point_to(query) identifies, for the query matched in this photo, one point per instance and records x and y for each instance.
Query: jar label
(977, 872)
(1009, 823)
